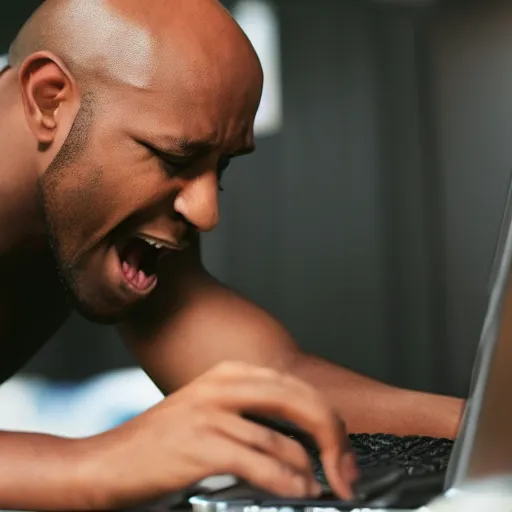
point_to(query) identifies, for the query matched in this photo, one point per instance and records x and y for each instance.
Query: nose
(198, 201)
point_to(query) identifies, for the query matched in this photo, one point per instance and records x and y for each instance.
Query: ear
(46, 86)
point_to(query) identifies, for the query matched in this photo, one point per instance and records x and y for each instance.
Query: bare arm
(194, 322)
(175, 444)
(371, 406)
(42, 472)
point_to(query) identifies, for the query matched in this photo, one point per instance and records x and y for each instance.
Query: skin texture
(123, 127)
(102, 184)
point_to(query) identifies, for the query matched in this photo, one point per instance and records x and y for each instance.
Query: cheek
(76, 204)
(87, 201)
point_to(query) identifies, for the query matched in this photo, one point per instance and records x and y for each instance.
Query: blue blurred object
(34, 404)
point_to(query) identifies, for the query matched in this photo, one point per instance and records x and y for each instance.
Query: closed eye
(171, 165)
(174, 165)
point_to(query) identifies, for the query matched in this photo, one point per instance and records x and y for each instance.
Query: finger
(259, 469)
(339, 463)
(265, 440)
(242, 387)
(264, 391)
(349, 466)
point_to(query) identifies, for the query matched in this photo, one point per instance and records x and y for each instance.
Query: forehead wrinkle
(100, 39)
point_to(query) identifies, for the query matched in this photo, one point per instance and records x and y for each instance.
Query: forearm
(370, 406)
(41, 472)
(215, 324)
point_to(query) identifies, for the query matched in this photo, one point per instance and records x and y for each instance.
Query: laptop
(483, 448)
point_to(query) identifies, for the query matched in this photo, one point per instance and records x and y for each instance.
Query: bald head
(125, 114)
(131, 41)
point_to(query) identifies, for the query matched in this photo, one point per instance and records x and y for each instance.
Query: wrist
(110, 472)
(102, 472)
(90, 476)
(438, 415)
(44, 472)
(451, 408)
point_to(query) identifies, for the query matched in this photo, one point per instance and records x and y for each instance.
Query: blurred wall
(388, 184)
(368, 224)
(470, 69)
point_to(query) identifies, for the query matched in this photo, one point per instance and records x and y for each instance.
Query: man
(119, 118)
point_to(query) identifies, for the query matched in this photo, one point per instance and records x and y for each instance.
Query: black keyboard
(416, 455)
(394, 469)
(399, 472)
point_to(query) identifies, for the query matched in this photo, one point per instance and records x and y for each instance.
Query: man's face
(137, 175)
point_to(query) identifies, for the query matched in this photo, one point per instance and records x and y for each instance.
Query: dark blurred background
(367, 219)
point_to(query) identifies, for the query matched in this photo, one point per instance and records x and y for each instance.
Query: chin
(98, 304)
(99, 314)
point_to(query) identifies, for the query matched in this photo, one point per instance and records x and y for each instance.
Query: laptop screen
(502, 236)
(484, 445)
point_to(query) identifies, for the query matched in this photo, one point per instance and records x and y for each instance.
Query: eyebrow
(184, 147)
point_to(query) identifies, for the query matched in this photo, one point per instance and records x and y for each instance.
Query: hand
(199, 432)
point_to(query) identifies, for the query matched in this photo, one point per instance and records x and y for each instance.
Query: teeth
(156, 245)
(162, 245)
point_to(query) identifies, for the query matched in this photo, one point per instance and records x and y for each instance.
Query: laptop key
(376, 481)
(410, 491)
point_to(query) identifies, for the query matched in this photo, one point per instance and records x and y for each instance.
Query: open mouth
(139, 262)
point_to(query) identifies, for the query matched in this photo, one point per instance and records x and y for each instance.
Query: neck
(21, 222)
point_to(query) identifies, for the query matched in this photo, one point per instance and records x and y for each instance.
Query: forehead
(204, 79)
(197, 96)
(196, 40)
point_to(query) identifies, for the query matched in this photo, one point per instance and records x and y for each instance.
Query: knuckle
(241, 369)
(286, 479)
(200, 421)
(329, 425)
(303, 459)
(320, 419)
(232, 464)
(278, 376)
(324, 412)
(230, 368)
(291, 380)
(269, 374)
(268, 440)
(276, 475)
(336, 423)
(203, 392)
(341, 426)
(332, 429)
(287, 382)
(281, 471)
